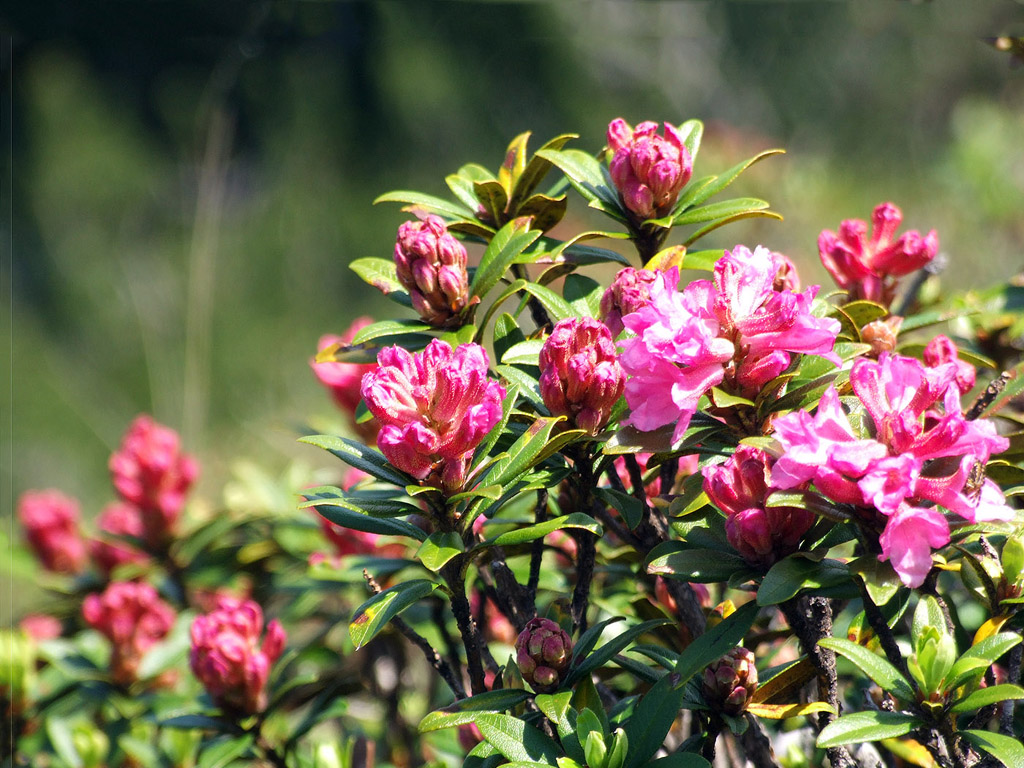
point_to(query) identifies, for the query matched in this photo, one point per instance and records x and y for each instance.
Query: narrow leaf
(357, 455)
(983, 697)
(517, 740)
(429, 203)
(372, 616)
(1006, 749)
(782, 711)
(866, 726)
(872, 665)
(466, 710)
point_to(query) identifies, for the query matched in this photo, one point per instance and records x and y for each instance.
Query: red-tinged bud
(431, 265)
(648, 170)
(133, 618)
(228, 658)
(628, 293)
(117, 519)
(882, 335)
(543, 653)
(580, 375)
(729, 683)
(941, 351)
(151, 472)
(50, 520)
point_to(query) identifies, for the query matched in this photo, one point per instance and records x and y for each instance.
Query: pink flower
(228, 658)
(50, 520)
(133, 618)
(117, 520)
(868, 267)
(630, 291)
(941, 351)
(648, 170)
(909, 537)
(343, 379)
(151, 472)
(40, 626)
(431, 265)
(580, 375)
(435, 407)
(740, 488)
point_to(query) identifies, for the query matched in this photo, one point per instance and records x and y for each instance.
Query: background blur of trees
(191, 179)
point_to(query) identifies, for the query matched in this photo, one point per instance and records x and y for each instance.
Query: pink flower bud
(151, 472)
(580, 375)
(343, 379)
(50, 520)
(740, 488)
(431, 265)
(786, 278)
(940, 351)
(41, 626)
(648, 170)
(117, 520)
(868, 267)
(435, 407)
(133, 618)
(629, 292)
(729, 683)
(228, 658)
(543, 653)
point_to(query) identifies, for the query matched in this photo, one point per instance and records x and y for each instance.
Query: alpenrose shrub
(625, 525)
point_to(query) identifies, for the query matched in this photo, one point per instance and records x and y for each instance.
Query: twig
(928, 588)
(882, 631)
(757, 745)
(1013, 676)
(985, 399)
(585, 555)
(540, 514)
(453, 575)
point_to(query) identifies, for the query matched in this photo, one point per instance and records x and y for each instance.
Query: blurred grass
(122, 250)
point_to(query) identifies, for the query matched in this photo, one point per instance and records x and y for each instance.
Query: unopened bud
(431, 265)
(543, 653)
(648, 170)
(629, 292)
(729, 683)
(882, 335)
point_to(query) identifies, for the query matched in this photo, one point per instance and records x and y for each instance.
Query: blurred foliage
(190, 180)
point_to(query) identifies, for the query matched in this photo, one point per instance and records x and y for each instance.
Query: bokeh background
(188, 181)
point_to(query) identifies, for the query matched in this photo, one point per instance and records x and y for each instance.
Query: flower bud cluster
(729, 683)
(431, 265)
(117, 519)
(50, 520)
(648, 170)
(629, 291)
(543, 653)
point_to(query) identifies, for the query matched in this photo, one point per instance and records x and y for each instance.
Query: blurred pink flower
(133, 618)
(648, 170)
(151, 472)
(941, 351)
(40, 626)
(117, 519)
(228, 658)
(50, 520)
(343, 379)
(435, 407)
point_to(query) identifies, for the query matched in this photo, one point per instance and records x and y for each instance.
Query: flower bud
(151, 472)
(117, 520)
(629, 292)
(343, 379)
(543, 653)
(786, 277)
(882, 335)
(648, 170)
(729, 683)
(133, 618)
(50, 520)
(580, 375)
(942, 350)
(431, 265)
(228, 658)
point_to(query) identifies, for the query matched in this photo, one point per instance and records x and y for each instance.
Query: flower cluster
(868, 266)
(922, 452)
(50, 520)
(117, 519)
(435, 407)
(648, 170)
(736, 330)
(543, 653)
(228, 658)
(133, 618)
(431, 265)
(151, 472)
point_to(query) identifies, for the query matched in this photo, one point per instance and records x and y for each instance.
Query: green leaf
(507, 334)
(866, 726)
(197, 721)
(523, 353)
(864, 312)
(61, 739)
(388, 328)
(371, 617)
(506, 245)
(670, 558)
(524, 453)
(169, 651)
(429, 203)
(872, 665)
(719, 210)
(679, 760)
(466, 711)
(880, 579)
(556, 306)
(589, 638)
(357, 455)
(691, 132)
(374, 503)
(627, 505)
(583, 171)
(927, 614)
(606, 652)
(716, 641)
(545, 211)
(535, 171)
(224, 750)
(358, 521)
(933, 317)
(557, 708)
(791, 574)
(652, 719)
(725, 179)
(539, 531)
(1006, 749)
(985, 696)
(438, 549)
(382, 275)
(584, 294)
(987, 652)
(517, 740)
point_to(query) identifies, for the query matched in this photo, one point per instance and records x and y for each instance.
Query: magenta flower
(740, 488)
(648, 170)
(431, 265)
(50, 520)
(228, 658)
(133, 618)
(41, 626)
(117, 519)
(580, 375)
(435, 407)
(910, 535)
(630, 291)
(868, 267)
(343, 379)
(940, 351)
(151, 472)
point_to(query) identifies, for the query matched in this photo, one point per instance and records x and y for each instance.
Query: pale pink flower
(151, 472)
(41, 626)
(117, 519)
(629, 291)
(431, 265)
(910, 536)
(133, 618)
(230, 660)
(50, 520)
(648, 170)
(940, 351)
(435, 407)
(580, 375)
(343, 379)
(868, 267)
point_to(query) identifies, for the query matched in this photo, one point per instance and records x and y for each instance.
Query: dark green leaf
(524, 453)
(388, 328)
(556, 306)
(223, 751)
(381, 274)
(627, 505)
(535, 171)
(491, 194)
(719, 210)
(584, 294)
(872, 665)
(679, 760)
(670, 558)
(197, 721)
(867, 726)
(517, 740)
(358, 521)
(864, 312)
(589, 638)
(609, 650)
(557, 708)
(371, 617)
(539, 531)
(794, 573)
(715, 642)
(988, 651)
(652, 719)
(357, 455)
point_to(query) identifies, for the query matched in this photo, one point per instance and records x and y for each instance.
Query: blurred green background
(189, 180)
